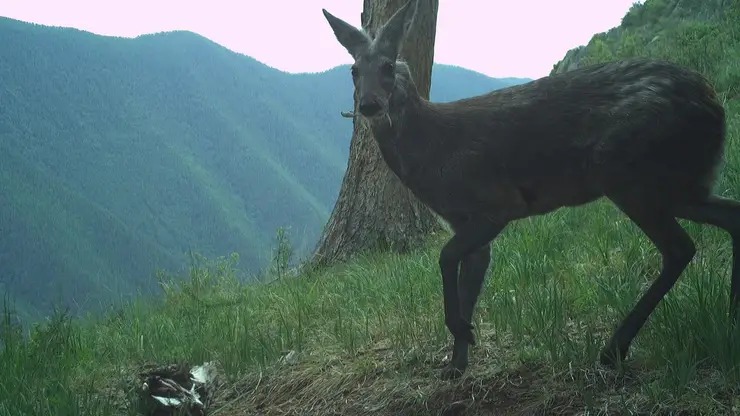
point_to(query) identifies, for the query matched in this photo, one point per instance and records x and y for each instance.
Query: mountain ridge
(122, 154)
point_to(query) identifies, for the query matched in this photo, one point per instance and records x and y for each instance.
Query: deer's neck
(400, 135)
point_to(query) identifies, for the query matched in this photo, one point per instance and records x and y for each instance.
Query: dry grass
(385, 381)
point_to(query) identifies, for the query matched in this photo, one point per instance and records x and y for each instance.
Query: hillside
(119, 155)
(696, 33)
(368, 337)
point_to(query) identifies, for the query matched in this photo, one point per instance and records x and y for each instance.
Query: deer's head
(374, 69)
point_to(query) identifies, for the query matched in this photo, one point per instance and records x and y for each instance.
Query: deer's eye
(354, 72)
(388, 68)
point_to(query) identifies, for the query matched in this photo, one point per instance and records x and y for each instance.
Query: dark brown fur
(563, 140)
(646, 134)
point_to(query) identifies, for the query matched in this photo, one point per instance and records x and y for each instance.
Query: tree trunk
(374, 210)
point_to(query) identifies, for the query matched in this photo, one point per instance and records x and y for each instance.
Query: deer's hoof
(450, 372)
(611, 355)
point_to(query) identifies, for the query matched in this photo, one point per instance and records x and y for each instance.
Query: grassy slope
(119, 155)
(370, 332)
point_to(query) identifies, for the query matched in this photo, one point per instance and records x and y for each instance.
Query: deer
(646, 134)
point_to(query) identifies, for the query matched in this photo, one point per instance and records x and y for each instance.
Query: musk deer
(646, 134)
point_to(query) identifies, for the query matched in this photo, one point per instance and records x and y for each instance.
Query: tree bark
(373, 209)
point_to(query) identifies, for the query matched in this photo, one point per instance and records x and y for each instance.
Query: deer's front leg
(469, 238)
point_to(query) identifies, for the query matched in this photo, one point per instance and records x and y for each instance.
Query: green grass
(372, 331)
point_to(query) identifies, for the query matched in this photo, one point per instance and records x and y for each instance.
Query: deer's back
(572, 137)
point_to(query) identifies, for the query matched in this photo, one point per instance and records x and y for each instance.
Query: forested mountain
(119, 155)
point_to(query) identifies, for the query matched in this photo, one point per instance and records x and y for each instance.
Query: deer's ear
(390, 37)
(349, 36)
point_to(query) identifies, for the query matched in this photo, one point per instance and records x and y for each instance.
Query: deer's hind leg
(677, 250)
(723, 213)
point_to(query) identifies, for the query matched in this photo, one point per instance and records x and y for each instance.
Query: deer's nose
(369, 107)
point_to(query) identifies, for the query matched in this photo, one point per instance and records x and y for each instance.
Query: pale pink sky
(522, 38)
